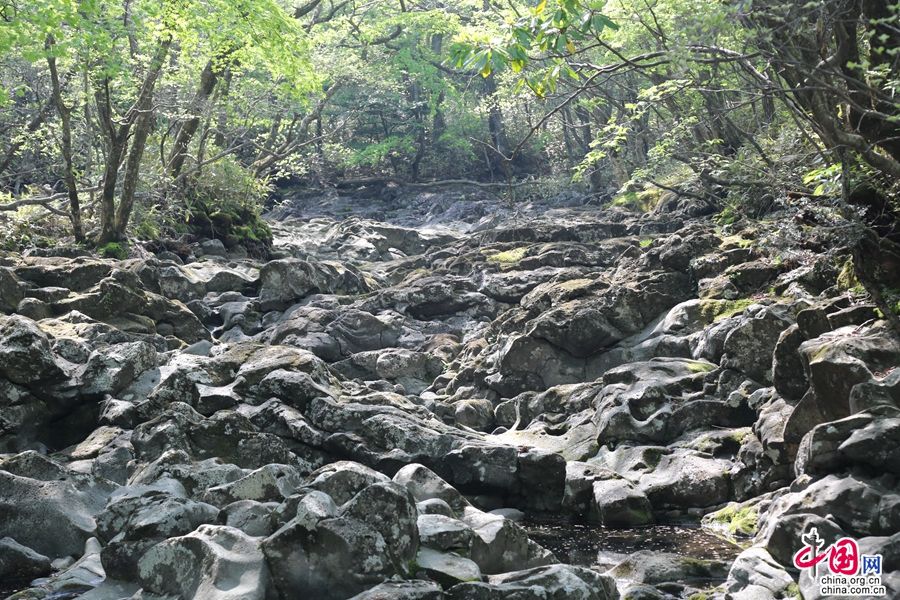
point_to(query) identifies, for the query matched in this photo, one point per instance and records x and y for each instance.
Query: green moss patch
(716, 310)
(510, 256)
(736, 520)
(113, 250)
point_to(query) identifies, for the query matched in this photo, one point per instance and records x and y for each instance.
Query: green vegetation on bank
(147, 119)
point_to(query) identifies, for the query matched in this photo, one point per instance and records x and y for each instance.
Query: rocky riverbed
(371, 413)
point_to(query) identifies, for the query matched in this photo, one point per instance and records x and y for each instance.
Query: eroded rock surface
(367, 414)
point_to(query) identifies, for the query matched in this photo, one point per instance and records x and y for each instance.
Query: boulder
(359, 331)
(836, 363)
(54, 518)
(110, 370)
(542, 479)
(285, 281)
(212, 562)
(618, 503)
(25, 354)
(685, 479)
(425, 485)
(501, 546)
(788, 376)
(540, 583)
(406, 590)
(151, 516)
(21, 417)
(77, 275)
(476, 414)
(444, 534)
(580, 478)
(11, 290)
(482, 466)
(749, 347)
(253, 518)
(20, 562)
(755, 572)
(840, 506)
(389, 509)
(343, 480)
(329, 558)
(446, 569)
(272, 482)
(659, 567)
(296, 389)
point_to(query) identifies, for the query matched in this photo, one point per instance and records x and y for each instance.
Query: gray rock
(446, 569)
(110, 370)
(687, 480)
(580, 478)
(444, 534)
(749, 347)
(54, 518)
(542, 479)
(406, 590)
(435, 506)
(283, 282)
(501, 546)
(659, 567)
(34, 309)
(34, 465)
(272, 482)
(334, 558)
(343, 480)
(618, 503)
(211, 248)
(211, 562)
(482, 465)
(836, 363)
(426, 485)
(152, 515)
(11, 292)
(19, 562)
(754, 571)
(476, 414)
(295, 389)
(555, 581)
(860, 506)
(114, 465)
(253, 518)
(788, 376)
(25, 355)
(389, 509)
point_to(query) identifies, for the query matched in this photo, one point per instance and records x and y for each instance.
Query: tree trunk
(32, 126)
(115, 221)
(495, 117)
(208, 79)
(65, 117)
(222, 120)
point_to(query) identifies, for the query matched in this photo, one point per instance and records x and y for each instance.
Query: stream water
(593, 546)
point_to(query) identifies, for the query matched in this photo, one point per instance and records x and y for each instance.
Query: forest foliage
(149, 117)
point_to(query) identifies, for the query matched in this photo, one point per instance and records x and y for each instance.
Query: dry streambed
(372, 413)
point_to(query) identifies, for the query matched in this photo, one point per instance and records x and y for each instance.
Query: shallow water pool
(593, 546)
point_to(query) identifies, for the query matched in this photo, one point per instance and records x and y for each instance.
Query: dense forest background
(146, 118)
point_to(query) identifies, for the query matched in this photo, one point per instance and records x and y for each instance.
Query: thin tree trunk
(65, 117)
(208, 79)
(495, 117)
(113, 222)
(32, 126)
(222, 120)
(142, 128)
